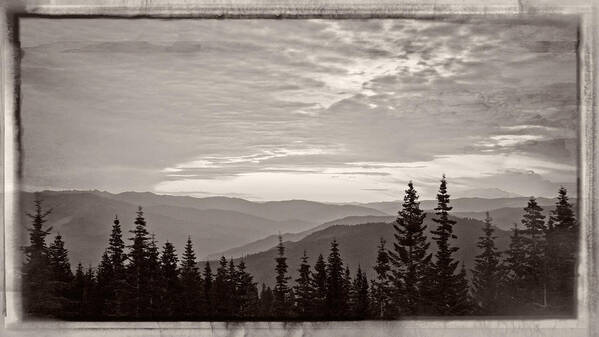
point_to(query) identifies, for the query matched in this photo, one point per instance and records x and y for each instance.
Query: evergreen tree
(154, 281)
(320, 287)
(170, 281)
(114, 284)
(515, 272)
(266, 302)
(83, 291)
(304, 290)
(221, 290)
(561, 252)
(534, 224)
(462, 301)
(336, 299)
(208, 294)
(190, 283)
(138, 267)
(61, 275)
(37, 300)
(247, 293)
(360, 296)
(104, 279)
(409, 257)
(487, 274)
(281, 291)
(232, 282)
(381, 285)
(442, 283)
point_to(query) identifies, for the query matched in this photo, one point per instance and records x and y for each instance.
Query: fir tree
(487, 274)
(232, 282)
(409, 257)
(247, 293)
(320, 287)
(561, 252)
(37, 300)
(360, 296)
(190, 282)
(137, 268)
(442, 281)
(336, 299)
(281, 290)
(381, 285)
(221, 290)
(462, 301)
(170, 281)
(60, 274)
(514, 285)
(266, 302)
(534, 224)
(113, 284)
(154, 281)
(304, 290)
(208, 296)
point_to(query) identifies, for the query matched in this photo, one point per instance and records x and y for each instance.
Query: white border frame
(587, 322)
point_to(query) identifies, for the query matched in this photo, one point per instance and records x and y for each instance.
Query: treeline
(142, 281)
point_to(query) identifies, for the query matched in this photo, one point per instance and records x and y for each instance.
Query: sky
(324, 110)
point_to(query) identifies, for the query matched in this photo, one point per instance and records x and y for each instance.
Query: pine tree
(487, 274)
(137, 268)
(336, 300)
(534, 224)
(462, 300)
(221, 290)
(112, 276)
(190, 283)
(381, 285)
(170, 288)
(515, 273)
(61, 275)
(442, 283)
(360, 296)
(208, 291)
(320, 287)
(232, 282)
(281, 291)
(561, 252)
(304, 290)
(247, 293)
(409, 257)
(154, 281)
(37, 300)
(266, 302)
(104, 278)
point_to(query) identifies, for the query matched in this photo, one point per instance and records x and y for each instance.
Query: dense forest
(138, 280)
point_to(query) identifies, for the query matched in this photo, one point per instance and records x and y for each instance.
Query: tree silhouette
(381, 286)
(487, 275)
(304, 290)
(39, 301)
(443, 282)
(190, 282)
(336, 298)
(561, 252)
(137, 268)
(534, 225)
(409, 257)
(320, 287)
(171, 287)
(281, 290)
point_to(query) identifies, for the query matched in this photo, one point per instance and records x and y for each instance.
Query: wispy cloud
(321, 107)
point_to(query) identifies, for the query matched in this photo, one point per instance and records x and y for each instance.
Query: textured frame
(587, 12)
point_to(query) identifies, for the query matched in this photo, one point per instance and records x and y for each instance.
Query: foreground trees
(536, 275)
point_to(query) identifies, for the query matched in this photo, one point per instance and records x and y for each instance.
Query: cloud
(331, 102)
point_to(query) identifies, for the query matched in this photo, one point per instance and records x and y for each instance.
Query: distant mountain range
(231, 227)
(358, 246)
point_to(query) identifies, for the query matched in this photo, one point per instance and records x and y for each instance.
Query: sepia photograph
(310, 169)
